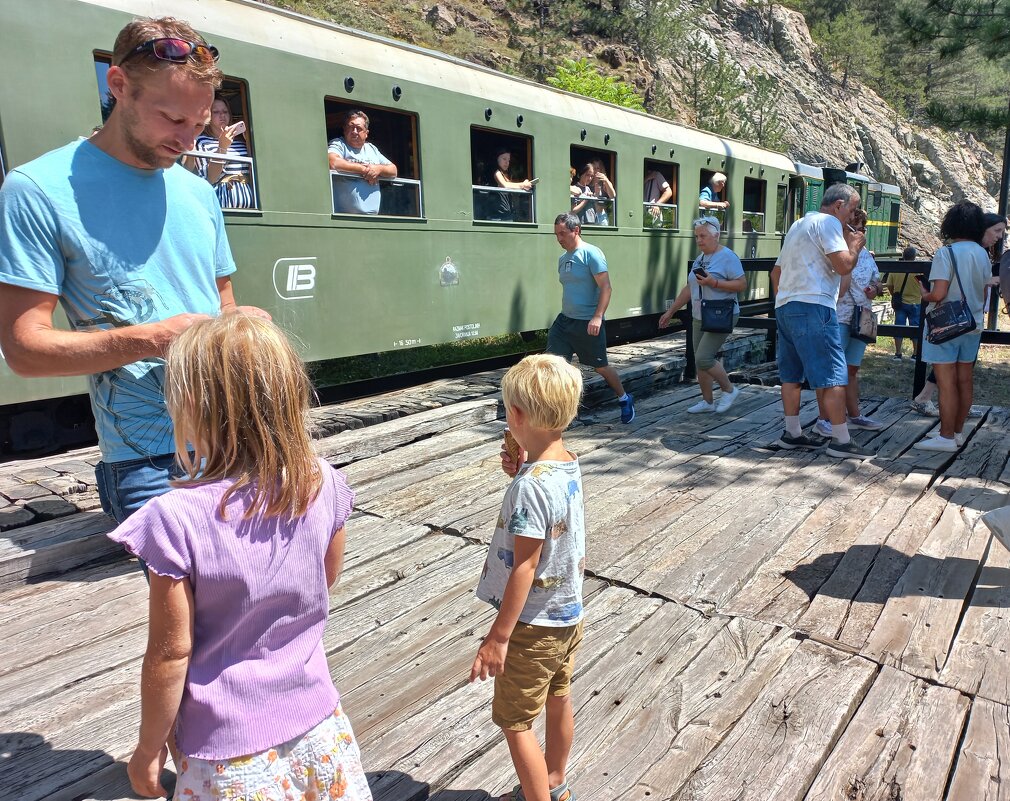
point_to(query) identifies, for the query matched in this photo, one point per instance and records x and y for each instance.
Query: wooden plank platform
(760, 624)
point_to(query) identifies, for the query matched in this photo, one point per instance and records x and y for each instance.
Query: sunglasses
(175, 50)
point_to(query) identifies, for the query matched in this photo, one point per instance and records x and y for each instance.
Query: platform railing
(761, 315)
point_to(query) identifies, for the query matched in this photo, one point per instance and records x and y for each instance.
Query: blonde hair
(547, 388)
(143, 29)
(238, 394)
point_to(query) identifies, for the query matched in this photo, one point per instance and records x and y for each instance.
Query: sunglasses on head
(178, 51)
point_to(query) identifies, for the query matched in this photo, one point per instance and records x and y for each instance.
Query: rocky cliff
(825, 125)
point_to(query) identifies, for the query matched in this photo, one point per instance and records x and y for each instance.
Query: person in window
(603, 188)
(503, 209)
(352, 153)
(230, 179)
(656, 190)
(583, 196)
(710, 195)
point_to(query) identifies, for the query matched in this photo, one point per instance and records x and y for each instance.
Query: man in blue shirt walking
(585, 294)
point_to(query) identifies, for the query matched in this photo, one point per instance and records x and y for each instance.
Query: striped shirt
(208, 144)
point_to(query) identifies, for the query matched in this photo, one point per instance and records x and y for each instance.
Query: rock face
(829, 126)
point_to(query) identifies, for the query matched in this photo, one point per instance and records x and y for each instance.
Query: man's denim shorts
(907, 314)
(962, 349)
(123, 487)
(808, 346)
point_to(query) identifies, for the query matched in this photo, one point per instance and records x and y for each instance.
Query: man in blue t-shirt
(353, 153)
(132, 246)
(585, 295)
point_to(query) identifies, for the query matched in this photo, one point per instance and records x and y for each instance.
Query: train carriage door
(660, 190)
(500, 165)
(391, 136)
(783, 210)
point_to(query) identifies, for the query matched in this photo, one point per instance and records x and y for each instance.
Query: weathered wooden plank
(918, 623)
(830, 608)
(777, 748)
(670, 720)
(978, 663)
(983, 771)
(900, 744)
(985, 455)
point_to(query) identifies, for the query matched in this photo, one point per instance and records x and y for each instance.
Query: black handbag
(949, 320)
(716, 315)
(863, 325)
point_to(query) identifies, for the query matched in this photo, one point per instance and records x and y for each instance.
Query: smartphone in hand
(238, 127)
(700, 272)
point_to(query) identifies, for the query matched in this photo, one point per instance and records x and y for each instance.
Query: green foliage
(850, 45)
(760, 121)
(713, 87)
(582, 78)
(548, 33)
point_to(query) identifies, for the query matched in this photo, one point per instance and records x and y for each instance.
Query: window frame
(650, 165)
(609, 158)
(722, 215)
(781, 193)
(762, 196)
(484, 132)
(340, 106)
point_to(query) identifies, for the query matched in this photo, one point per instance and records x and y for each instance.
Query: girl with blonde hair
(242, 553)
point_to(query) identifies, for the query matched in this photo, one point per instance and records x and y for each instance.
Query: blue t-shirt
(356, 195)
(119, 246)
(579, 292)
(707, 194)
(725, 265)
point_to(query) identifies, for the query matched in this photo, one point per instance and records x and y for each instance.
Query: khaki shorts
(540, 661)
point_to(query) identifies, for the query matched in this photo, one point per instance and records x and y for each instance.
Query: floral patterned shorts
(324, 763)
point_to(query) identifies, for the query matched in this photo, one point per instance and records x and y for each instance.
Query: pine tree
(849, 44)
(761, 122)
(713, 87)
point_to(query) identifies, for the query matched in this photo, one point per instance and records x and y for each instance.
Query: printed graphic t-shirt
(544, 501)
(120, 246)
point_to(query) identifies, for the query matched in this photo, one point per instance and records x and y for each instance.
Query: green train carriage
(426, 269)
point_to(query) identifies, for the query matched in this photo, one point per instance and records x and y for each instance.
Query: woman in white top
(953, 361)
(719, 274)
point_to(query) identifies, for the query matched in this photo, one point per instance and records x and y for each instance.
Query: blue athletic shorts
(808, 346)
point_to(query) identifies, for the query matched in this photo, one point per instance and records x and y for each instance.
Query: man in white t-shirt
(818, 250)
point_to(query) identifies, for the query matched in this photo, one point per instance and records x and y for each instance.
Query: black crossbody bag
(951, 319)
(716, 315)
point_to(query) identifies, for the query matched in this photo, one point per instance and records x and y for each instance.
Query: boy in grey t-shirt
(533, 576)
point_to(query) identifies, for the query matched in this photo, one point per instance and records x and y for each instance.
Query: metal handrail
(397, 181)
(647, 207)
(502, 189)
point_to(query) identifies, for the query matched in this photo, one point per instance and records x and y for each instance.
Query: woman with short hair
(717, 275)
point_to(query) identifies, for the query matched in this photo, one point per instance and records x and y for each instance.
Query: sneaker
(822, 428)
(789, 442)
(937, 443)
(897, 357)
(926, 408)
(727, 399)
(701, 407)
(627, 409)
(850, 450)
(866, 423)
(959, 438)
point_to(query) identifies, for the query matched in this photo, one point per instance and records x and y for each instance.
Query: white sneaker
(959, 438)
(727, 399)
(937, 443)
(823, 428)
(701, 407)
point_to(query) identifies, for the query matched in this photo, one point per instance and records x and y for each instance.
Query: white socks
(793, 425)
(840, 432)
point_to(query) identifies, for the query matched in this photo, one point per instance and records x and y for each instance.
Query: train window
(502, 177)
(781, 196)
(382, 142)
(659, 195)
(233, 173)
(594, 186)
(102, 63)
(892, 230)
(753, 205)
(705, 183)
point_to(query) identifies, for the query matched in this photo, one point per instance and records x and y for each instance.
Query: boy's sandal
(559, 793)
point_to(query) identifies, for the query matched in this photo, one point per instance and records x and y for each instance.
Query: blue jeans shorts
(853, 348)
(962, 349)
(808, 346)
(123, 487)
(907, 314)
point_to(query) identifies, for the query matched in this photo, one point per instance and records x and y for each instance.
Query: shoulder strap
(700, 262)
(903, 283)
(953, 262)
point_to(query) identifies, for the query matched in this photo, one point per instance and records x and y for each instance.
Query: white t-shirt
(807, 274)
(973, 268)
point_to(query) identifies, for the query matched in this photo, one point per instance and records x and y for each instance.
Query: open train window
(594, 186)
(232, 174)
(781, 197)
(501, 164)
(382, 143)
(659, 195)
(753, 206)
(707, 192)
(102, 63)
